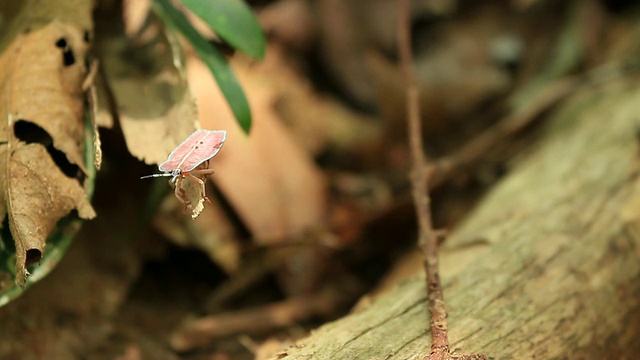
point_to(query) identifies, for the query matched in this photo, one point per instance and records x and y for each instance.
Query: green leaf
(212, 57)
(234, 22)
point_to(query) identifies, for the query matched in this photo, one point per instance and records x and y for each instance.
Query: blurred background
(312, 210)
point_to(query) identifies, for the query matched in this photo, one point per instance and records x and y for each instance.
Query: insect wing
(180, 152)
(201, 146)
(203, 150)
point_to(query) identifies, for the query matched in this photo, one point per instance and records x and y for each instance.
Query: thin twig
(421, 172)
(262, 319)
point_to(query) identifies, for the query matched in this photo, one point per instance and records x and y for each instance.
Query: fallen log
(547, 266)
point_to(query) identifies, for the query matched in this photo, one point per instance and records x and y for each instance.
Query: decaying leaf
(146, 77)
(23, 16)
(37, 199)
(41, 105)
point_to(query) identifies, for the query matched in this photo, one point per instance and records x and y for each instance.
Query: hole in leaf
(68, 57)
(67, 54)
(61, 43)
(31, 133)
(33, 256)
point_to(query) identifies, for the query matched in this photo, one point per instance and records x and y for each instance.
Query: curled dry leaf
(146, 77)
(192, 194)
(269, 179)
(41, 103)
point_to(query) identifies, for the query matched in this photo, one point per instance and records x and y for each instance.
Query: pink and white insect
(191, 160)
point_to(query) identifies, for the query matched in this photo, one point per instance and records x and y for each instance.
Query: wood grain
(547, 267)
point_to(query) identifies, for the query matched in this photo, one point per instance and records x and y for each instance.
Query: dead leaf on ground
(152, 99)
(271, 182)
(43, 175)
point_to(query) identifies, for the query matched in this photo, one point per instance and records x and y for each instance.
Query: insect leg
(202, 172)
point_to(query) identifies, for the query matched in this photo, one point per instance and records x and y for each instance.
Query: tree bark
(548, 266)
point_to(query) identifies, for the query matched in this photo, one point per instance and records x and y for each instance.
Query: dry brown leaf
(23, 16)
(41, 76)
(154, 106)
(40, 89)
(271, 182)
(37, 200)
(192, 193)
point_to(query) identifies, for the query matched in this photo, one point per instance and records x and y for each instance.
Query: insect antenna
(156, 175)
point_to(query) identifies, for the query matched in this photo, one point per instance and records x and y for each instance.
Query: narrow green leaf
(213, 58)
(234, 22)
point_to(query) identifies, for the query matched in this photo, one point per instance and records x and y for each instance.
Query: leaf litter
(312, 130)
(145, 75)
(271, 182)
(43, 171)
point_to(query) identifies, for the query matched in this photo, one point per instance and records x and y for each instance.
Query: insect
(191, 160)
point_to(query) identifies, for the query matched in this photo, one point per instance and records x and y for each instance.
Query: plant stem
(428, 239)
